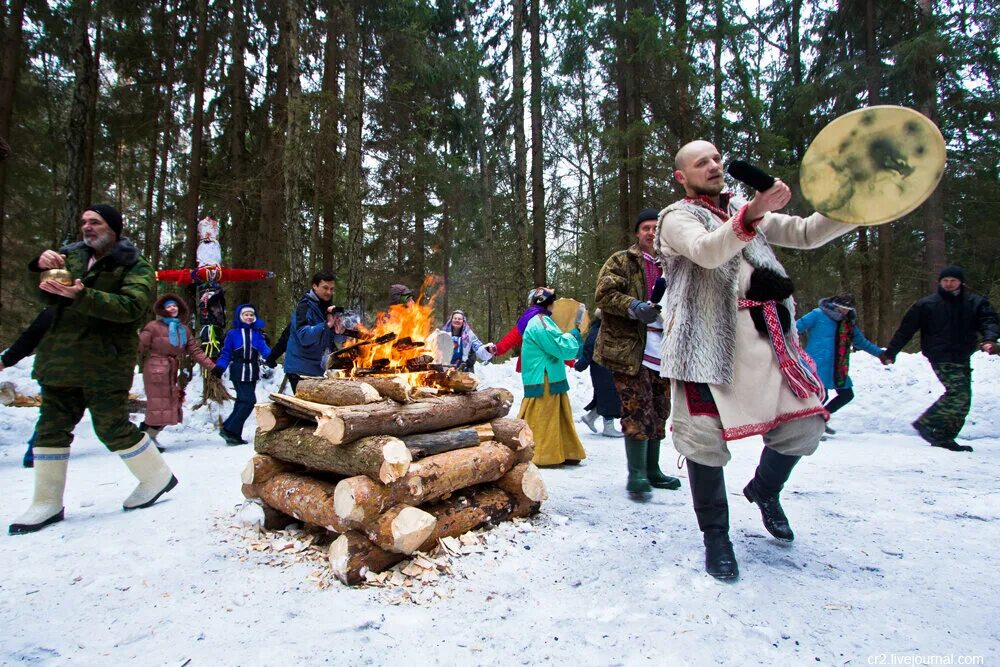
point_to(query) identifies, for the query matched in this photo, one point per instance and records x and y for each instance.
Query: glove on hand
(643, 311)
(217, 372)
(266, 373)
(885, 359)
(580, 312)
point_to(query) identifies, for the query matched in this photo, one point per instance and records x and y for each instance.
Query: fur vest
(699, 307)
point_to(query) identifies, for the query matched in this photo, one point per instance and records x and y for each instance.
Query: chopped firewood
(344, 424)
(261, 468)
(272, 417)
(337, 392)
(359, 500)
(305, 498)
(381, 457)
(456, 381)
(422, 445)
(352, 555)
(402, 529)
(390, 386)
(526, 488)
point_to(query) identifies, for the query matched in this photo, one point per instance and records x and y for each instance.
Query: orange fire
(409, 322)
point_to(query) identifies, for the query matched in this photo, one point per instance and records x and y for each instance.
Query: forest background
(498, 145)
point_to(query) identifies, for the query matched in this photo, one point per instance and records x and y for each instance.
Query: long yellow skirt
(551, 420)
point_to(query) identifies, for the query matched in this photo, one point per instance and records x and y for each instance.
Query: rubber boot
(590, 419)
(708, 491)
(635, 455)
(609, 429)
(653, 472)
(772, 473)
(50, 482)
(155, 478)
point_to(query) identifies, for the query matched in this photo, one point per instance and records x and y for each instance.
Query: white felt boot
(151, 470)
(50, 482)
(590, 420)
(610, 431)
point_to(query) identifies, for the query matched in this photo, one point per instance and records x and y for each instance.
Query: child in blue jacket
(242, 352)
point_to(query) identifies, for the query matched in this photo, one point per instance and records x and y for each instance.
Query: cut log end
(396, 463)
(345, 504)
(331, 428)
(410, 528)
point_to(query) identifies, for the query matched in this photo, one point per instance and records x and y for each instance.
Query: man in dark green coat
(86, 361)
(629, 346)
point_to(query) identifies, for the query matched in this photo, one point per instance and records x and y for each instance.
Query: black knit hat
(110, 215)
(644, 215)
(952, 272)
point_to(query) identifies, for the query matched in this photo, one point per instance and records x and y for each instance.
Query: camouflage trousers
(62, 409)
(645, 404)
(947, 416)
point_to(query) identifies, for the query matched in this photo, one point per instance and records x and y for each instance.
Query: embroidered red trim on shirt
(745, 230)
(747, 430)
(700, 402)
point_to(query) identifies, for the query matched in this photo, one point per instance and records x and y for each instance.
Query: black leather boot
(772, 473)
(708, 491)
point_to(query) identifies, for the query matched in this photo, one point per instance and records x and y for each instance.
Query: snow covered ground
(894, 560)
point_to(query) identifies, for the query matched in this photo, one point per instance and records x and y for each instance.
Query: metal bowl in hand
(61, 276)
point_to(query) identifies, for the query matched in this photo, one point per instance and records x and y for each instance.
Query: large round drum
(564, 312)
(873, 165)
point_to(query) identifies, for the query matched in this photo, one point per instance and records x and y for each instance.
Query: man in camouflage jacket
(628, 345)
(87, 360)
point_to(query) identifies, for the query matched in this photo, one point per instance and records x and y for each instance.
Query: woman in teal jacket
(833, 331)
(545, 349)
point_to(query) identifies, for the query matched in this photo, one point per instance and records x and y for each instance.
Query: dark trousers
(947, 416)
(246, 397)
(844, 396)
(293, 380)
(62, 409)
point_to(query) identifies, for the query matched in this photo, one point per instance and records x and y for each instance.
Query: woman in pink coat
(165, 340)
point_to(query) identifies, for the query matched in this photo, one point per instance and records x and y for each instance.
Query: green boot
(653, 473)
(635, 454)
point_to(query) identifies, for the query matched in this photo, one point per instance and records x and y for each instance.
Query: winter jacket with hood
(820, 324)
(244, 348)
(309, 337)
(29, 339)
(949, 326)
(93, 340)
(164, 399)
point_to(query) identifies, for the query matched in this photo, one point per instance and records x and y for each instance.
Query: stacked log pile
(390, 477)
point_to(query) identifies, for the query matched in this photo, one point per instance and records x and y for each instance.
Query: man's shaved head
(688, 150)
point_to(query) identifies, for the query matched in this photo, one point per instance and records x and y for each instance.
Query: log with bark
(402, 529)
(337, 392)
(272, 417)
(349, 423)
(390, 386)
(262, 467)
(382, 457)
(458, 382)
(352, 554)
(422, 445)
(525, 487)
(359, 500)
(303, 497)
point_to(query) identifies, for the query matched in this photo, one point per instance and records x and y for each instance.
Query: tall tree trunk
(717, 117)
(239, 229)
(932, 212)
(197, 131)
(883, 234)
(445, 256)
(167, 124)
(295, 154)
(328, 155)
(90, 136)
(588, 152)
(76, 130)
(622, 98)
(354, 188)
(537, 150)
(520, 150)
(10, 65)
(868, 304)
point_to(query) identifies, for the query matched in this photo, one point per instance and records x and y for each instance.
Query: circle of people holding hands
(695, 322)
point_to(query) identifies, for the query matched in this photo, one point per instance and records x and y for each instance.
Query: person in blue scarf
(467, 347)
(163, 342)
(242, 353)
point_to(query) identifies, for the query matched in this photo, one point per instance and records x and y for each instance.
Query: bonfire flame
(411, 324)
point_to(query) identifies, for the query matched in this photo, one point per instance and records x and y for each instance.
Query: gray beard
(101, 244)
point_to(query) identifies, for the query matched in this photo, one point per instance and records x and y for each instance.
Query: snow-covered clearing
(894, 560)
